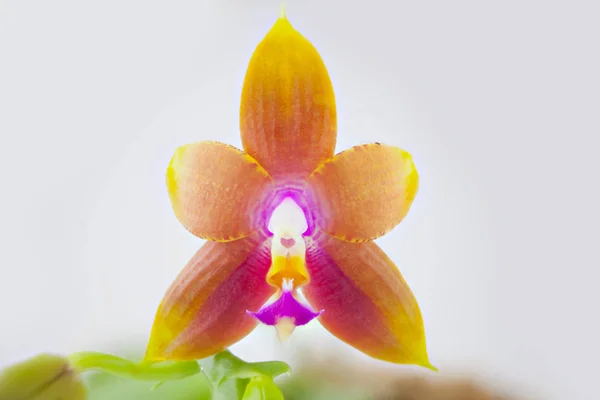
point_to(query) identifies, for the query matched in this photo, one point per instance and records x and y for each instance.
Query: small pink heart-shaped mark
(287, 243)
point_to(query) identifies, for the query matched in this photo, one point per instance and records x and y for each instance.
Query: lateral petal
(367, 303)
(364, 192)
(204, 310)
(288, 117)
(216, 190)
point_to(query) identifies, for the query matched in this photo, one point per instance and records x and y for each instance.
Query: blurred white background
(497, 101)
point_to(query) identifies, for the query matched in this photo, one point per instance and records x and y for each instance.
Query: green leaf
(262, 388)
(146, 371)
(104, 386)
(227, 366)
(230, 389)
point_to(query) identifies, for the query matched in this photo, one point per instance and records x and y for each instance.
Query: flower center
(288, 270)
(288, 249)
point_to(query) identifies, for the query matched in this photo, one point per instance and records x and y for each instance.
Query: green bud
(43, 377)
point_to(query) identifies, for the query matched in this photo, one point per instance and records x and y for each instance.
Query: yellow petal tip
(430, 367)
(282, 11)
(282, 26)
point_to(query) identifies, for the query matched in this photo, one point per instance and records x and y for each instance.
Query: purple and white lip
(286, 313)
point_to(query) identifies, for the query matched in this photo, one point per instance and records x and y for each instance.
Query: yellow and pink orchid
(284, 214)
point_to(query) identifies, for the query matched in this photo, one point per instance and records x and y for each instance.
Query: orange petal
(216, 190)
(204, 310)
(287, 115)
(364, 192)
(367, 303)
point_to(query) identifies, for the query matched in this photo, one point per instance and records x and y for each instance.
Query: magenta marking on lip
(285, 306)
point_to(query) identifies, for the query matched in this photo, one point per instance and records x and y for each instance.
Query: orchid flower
(287, 214)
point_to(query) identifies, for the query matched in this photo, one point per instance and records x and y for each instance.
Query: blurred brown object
(448, 389)
(345, 380)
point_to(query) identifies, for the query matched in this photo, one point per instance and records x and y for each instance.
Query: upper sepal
(288, 117)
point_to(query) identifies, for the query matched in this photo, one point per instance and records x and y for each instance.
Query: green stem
(145, 371)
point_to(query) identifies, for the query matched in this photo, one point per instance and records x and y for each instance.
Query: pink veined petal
(367, 303)
(204, 310)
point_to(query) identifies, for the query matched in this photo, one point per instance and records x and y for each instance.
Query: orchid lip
(286, 306)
